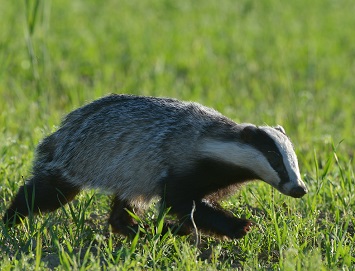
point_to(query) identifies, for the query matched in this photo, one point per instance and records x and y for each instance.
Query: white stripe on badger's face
(249, 157)
(289, 159)
(241, 155)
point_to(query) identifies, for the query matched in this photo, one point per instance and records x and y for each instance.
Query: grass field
(265, 62)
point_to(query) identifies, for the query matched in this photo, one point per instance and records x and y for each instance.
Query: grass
(273, 62)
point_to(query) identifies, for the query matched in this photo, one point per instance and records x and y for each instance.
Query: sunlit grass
(270, 62)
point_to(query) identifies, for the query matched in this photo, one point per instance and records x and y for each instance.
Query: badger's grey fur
(138, 148)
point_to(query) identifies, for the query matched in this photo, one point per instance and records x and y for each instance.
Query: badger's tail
(39, 194)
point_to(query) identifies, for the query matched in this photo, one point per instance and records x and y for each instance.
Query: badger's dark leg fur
(210, 218)
(120, 220)
(40, 194)
(204, 185)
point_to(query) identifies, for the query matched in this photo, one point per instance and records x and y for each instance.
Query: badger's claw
(240, 228)
(248, 226)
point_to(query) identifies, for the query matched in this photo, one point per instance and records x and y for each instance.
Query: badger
(141, 148)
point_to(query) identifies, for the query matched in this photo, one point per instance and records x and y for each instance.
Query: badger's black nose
(298, 192)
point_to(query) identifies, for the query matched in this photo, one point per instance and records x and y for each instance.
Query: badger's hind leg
(40, 194)
(120, 219)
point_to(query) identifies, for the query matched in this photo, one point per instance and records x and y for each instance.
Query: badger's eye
(277, 163)
(279, 166)
(276, 160)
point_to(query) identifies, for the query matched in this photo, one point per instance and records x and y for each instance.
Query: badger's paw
(129, 231)
(240, 228)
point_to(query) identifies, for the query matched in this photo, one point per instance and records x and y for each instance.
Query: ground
(269, 62)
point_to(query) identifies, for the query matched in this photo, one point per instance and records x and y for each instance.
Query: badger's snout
(292, 189)
(298, 191)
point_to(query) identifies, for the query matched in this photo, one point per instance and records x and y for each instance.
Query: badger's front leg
(211, 218)
(205, 183)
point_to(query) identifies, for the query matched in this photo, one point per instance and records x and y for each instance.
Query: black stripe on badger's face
(278, 150)
(266, 151)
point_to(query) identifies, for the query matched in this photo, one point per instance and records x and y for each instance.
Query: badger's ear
(248, 133)
(280, 128)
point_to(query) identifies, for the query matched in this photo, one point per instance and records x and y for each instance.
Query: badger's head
(264, 151)
(277, 164)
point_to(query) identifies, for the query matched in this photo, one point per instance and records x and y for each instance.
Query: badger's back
(128, 144)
